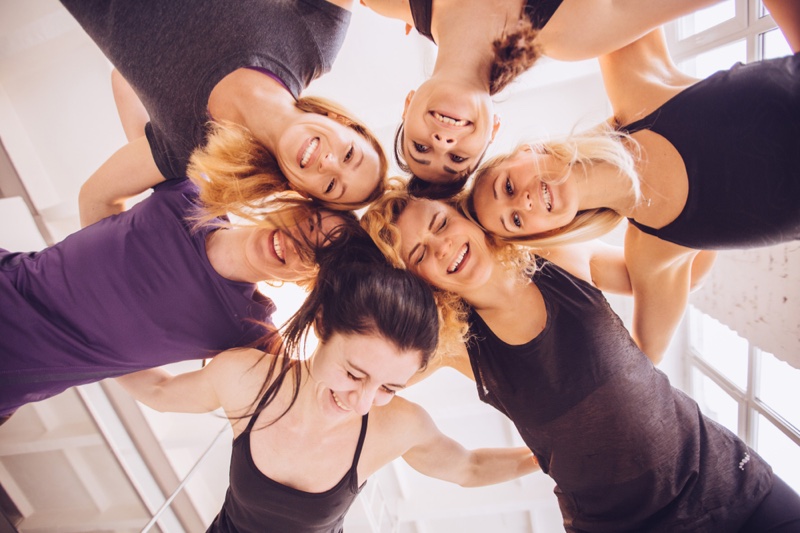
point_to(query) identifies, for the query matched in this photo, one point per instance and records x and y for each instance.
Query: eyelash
(457, 158)
(509, 188)
(329, 188)
(439, 229)
(385, 388)
(421, 148)
(349, 155)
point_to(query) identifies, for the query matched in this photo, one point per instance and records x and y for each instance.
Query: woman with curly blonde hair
(183, 64)
(628, 452)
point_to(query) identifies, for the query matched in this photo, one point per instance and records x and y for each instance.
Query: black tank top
(538, 11)
(255, 503)
(738, 133)
(627, 451)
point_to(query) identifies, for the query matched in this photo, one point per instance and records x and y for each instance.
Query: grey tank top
(628, 451)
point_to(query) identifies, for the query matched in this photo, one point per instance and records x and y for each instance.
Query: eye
(420, 257)
(509, 188)
(457, 158)
(388, 390)
(421, 148)
(516, 220)
(349, 155)
(352, 376)
(442, 225)
(329, 188)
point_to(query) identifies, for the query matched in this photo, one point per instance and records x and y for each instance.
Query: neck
(477, 23)
(501, 287)
(603, 186)
(256, 101)
(222, 249)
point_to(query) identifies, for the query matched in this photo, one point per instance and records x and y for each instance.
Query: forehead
(379, 357)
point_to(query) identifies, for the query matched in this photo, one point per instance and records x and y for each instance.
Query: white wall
(757, 294)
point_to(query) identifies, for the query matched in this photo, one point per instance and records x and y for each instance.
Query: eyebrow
(414, 249)
(420, 161)
(395, 385)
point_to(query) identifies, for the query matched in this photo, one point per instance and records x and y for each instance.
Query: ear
(525, 148)
(495, 126)
(408, 101)
(318, 330)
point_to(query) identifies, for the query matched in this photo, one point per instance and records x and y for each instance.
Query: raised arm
(434, 454)
(599, 263)
(786, 14)
(395, 9)
(583, 29)
(132, 114)
(130, 171)
(661, 277)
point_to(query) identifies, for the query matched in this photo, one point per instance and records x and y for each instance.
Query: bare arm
(130, 171)
(395, 9)
(583, 29)
(436, 455)
(786, 14)
(599, 263)
(192, 392)
(661, 275)
(132, 114)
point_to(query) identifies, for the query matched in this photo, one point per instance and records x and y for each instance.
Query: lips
(307, 153)
(455, 266)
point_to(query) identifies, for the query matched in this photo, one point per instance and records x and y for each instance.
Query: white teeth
(276, 244)
(546, 195)
(453, 267)
(340, 404)
(449, 120)
(309, 150)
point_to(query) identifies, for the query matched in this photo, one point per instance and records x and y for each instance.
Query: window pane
(773, 44)
(778, 384)
(722, 58)
(714, 402)
(779, 451)
(721, 347)
(704, 19)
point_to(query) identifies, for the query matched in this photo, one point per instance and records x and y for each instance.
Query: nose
(443, 139)
(524, 201)
(364, 400)
(440, 246)
(328, 162)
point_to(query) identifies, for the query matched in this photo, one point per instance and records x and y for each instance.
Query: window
(717, 37)
(747, 390)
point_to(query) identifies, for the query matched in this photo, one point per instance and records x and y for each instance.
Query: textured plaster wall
(757, 293)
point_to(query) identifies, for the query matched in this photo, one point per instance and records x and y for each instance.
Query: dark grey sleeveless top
(628, 452)
(255, 503)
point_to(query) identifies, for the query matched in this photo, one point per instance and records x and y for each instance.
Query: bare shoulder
(239, 376)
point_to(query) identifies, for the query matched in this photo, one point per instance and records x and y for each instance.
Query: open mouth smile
(450, 121)
(305, 157)
(456, 264)
(338, 403)
(277, 248)
(548, 201)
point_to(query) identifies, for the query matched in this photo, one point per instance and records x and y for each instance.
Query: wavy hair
(598, 145)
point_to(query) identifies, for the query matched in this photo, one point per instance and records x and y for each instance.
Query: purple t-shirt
(132, 291)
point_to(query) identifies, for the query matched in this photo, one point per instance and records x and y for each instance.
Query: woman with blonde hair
(308, 432)
(182, 64)
(449, 121)
(700, 165)
(628, 452)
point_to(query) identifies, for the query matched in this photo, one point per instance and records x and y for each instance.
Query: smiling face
(327, 160)
(525, 195)
(353, 372)
(444, 248)
(274, 255)
(447, 128)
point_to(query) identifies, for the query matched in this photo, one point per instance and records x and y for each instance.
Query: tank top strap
(261, 403)
(361, 437)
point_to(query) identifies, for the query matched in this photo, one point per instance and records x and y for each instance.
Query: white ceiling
(58, 123)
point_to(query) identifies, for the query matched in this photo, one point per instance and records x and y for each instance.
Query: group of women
(502, 280)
